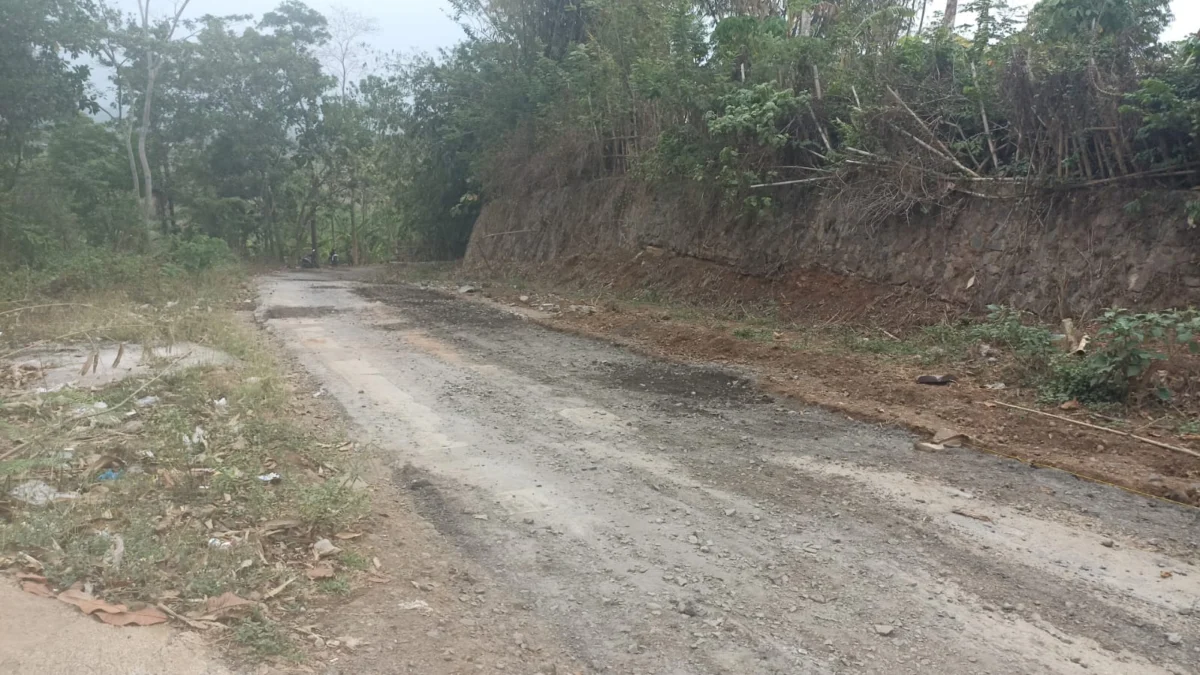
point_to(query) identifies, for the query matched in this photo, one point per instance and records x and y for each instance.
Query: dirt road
(672, 519)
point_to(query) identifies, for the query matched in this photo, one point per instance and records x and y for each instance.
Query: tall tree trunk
(354, 259)
(951, 15)
(169, 224)
(312, 230)
(148, 203)
(133, 171)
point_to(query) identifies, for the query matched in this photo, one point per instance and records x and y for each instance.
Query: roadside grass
(174, 502)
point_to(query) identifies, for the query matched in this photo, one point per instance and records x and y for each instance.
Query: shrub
(199, 253)
(1032, 345)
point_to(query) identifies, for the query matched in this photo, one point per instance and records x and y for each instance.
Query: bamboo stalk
(987, 127)
(792, 182)
(1097, 427)
(945, 150)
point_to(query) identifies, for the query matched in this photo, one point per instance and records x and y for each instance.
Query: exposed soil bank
(1068, 253)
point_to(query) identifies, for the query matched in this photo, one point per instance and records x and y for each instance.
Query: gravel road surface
(672, 519)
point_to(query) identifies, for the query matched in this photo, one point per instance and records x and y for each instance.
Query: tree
(345, 53)
(39, 82)
(950, 17)
(155, 45)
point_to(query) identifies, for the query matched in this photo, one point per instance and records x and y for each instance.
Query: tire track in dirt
(668, 519)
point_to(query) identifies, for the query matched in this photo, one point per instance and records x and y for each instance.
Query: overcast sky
(406, 26)
(424, 25)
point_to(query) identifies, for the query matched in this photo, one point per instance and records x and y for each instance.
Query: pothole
(288, 312)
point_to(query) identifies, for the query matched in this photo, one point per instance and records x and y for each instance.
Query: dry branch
(945, 151)
(1097, 427)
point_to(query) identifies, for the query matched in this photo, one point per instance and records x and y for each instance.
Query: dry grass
(193, 517)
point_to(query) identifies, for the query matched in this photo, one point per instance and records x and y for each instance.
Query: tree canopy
(281, 133)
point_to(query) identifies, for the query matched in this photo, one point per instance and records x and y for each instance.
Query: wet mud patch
(429, 501)
(287, 312)
(697, 383)
(433, 306)
(394, 326)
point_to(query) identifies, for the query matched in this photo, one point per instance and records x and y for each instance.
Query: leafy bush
(1128, 347)
(199, 253)
(1123, 354)
(1032, 345)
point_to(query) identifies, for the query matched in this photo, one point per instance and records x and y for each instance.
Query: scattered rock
(937, 380)
(324, 547)
(582, 309)
(467, 289)
(1174, 638)
(1070, 405)
(1108, 543)
(949, 438)
(928, 447)
(884, 630)
(731, 512)
(524, 299)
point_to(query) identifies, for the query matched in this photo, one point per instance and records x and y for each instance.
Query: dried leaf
(320, 572)
(89, 604)
(146, 616)
(38, 588)
(348, 535)
(120, 354)
(1070, 405)
(280, 524)
(223, 606)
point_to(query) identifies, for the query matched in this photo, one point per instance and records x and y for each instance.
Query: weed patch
(217, 485)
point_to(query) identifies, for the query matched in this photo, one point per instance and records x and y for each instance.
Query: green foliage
(756, 115)
(1139, 21)
(263, 638)
(1129, 346)
(1015, 331)
(1116, 364)
(200, 253)
(253, 143)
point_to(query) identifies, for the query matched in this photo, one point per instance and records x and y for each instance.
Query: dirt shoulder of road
(843, 348)
(225, 498)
